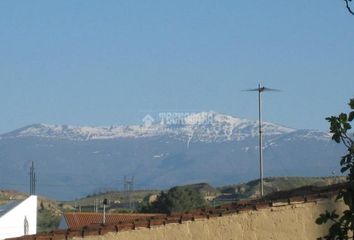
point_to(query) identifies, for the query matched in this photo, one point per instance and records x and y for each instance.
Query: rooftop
(5, 208)
(81, 219)
(296, 196)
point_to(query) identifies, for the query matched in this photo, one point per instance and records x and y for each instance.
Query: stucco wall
(284, 222)
(12, 223)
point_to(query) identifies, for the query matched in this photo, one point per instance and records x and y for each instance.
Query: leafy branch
(342, 225)
(348, 6)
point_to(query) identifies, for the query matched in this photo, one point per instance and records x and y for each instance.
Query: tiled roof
(82, 219)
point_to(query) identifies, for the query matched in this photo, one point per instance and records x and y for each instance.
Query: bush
(47, 221)
(177, 199)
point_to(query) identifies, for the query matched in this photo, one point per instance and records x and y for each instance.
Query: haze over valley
(73, 161)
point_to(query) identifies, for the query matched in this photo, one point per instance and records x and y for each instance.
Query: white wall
(12, 223)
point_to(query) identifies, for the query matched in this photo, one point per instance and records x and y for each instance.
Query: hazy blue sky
(111, 62)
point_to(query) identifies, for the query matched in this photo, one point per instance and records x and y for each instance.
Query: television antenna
(260, 89)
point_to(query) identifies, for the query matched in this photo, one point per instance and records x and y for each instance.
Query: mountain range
(72, 161)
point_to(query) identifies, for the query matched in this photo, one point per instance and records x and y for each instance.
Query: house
(18, 218)
(81, 219)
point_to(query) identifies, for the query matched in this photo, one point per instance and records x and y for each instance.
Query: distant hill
(275, 184)
(203, 188)
(232, 192)
(72, 162)
(9, 195)
(117, 200)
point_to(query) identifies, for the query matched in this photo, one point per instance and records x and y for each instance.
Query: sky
(112, 62)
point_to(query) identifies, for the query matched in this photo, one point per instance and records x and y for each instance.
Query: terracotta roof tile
(81, 219)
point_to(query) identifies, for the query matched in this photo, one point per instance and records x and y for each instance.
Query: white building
(18, 218)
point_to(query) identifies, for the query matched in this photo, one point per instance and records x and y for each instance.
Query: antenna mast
(260, 89)
(260, 140)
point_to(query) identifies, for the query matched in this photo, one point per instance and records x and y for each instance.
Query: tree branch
(351, 142)
(344, 141)
(348, 7)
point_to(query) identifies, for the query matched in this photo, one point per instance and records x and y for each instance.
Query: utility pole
(105, 202)
(131, 190)
(260, 89)
(128, 190)
(32, 180)
(96, 205)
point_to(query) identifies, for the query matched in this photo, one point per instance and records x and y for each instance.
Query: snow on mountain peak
(203, 126)
(211, 126)
(82, 132)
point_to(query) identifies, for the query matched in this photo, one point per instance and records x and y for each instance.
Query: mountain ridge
(205, 126)
(74, 161)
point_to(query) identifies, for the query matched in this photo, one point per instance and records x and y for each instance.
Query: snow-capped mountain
(205, 126)
(162, 152)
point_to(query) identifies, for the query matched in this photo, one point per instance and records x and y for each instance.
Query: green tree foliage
(47, 220)
(342, 225)
(177, 199)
